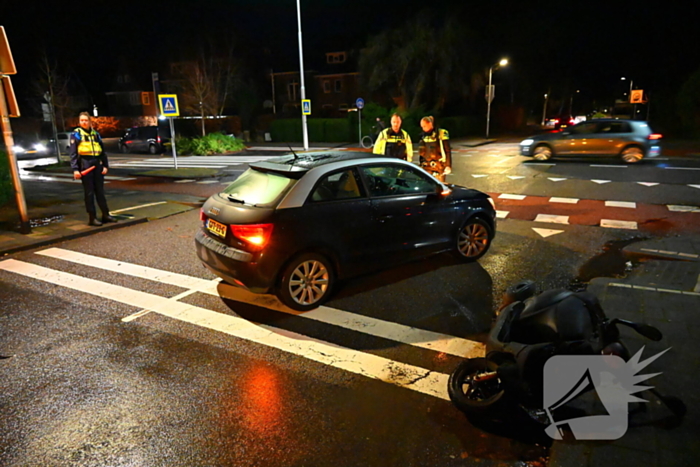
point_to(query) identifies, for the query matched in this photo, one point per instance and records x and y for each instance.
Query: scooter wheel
(474, 397)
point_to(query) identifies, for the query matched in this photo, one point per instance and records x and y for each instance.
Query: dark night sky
(586, 45)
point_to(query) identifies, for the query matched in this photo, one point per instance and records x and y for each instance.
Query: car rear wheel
(474, 239)
(123, 149)
(632, 155)
(153, 149)
(306, 282)
(542, 153)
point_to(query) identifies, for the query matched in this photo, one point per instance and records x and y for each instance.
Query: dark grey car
(629, 139)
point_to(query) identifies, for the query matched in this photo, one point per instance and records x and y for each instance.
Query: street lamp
(629, 99)
(490, 93)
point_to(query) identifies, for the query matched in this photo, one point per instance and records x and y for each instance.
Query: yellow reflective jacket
(90, 143)
(436, 145)
(392, 144)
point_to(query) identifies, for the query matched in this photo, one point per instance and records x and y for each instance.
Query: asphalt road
(214, 377)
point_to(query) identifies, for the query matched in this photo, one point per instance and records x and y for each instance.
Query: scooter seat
(554, 316)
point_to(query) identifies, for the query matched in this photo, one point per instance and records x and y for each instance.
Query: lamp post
(571, 103)
(490, 93)
(301, 72)
(544, 109)
(629, 98)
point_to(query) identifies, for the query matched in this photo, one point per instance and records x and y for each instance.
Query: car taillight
(256, 235)
(655, 136)
(158, 139)
(202, 216)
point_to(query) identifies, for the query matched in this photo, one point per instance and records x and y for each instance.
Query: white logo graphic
(613, 381)
(169, 107)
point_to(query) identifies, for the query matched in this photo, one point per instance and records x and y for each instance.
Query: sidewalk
(270, 146)
(664, 291)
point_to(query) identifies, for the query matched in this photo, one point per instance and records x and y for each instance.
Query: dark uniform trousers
(93, 185)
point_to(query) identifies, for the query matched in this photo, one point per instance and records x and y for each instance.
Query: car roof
(301, 163)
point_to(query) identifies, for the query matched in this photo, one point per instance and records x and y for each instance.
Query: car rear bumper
(654, 151)
(232, 265)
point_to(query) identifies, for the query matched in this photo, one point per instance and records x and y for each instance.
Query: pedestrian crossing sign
(168, 105)
(306, 106)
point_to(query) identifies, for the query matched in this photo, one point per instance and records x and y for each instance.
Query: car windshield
(257, 188)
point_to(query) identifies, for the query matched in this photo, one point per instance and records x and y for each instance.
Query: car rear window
(258, 188)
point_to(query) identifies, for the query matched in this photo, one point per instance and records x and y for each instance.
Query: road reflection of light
(266, 414)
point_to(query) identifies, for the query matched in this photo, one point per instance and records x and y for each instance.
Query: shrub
(213, 143)
(6, 188)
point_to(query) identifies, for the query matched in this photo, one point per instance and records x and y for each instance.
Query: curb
(42, 243)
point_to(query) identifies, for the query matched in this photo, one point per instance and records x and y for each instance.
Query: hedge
(6, 189)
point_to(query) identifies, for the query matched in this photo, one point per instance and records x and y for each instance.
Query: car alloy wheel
(542, 153)
(153, 149)
(474, 239)
(306, 282)
(632, 155)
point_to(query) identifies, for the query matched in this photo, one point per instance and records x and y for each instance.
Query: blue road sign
(306, 106)
(168, 105)
(360, 103)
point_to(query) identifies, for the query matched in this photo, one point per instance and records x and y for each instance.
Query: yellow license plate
(217, 228)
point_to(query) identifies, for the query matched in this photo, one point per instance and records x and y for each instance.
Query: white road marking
(682, 168)
(554, 199)
(647, 183)
(516, 177)
(185, 181)
(547, 232)
(553, 219)
(680, 208)
(355, 322)
(556, 179)
(653, 289)
(479, 175)
(621, 204)
(502, 214)
(369, 365)
(600, 182)
(44, 178)
(613, 224)
(694, 186)
(509, 196)
(609, 166)
(206, 182)
(133, 208)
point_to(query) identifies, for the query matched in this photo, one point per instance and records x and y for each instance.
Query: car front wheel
(474, 239)
(542, 153)
(306, 282)
(632, 155)
(123, 149)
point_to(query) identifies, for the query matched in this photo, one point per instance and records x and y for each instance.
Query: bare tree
(206, 83)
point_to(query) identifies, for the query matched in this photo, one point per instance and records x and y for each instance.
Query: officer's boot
(94, 221)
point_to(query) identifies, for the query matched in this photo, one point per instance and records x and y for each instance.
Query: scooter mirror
(650, 332)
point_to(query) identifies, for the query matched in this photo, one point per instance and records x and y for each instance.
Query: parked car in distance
(631, 140)
(63, 145)
(150, 139)
(296, 224)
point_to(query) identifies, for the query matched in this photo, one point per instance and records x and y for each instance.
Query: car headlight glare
(18, 149)
(527, 142)
(40, 147)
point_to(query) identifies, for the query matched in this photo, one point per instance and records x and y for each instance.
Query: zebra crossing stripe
(365, 364)
(352, 321)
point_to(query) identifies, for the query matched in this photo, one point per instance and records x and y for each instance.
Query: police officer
(434, 149)
(89, 162)
(394, 142)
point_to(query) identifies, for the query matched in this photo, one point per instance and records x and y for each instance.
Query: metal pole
(359, 125)
(301, 72)
(172, 141)
(544, 110)
(488, 107)
(24, 226)
(272, 78)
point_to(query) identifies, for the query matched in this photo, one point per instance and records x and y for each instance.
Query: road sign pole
(24, 226)
(359, 125)
(172, 141)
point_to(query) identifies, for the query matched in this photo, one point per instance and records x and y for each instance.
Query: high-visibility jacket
(86, 146)
(436, 146)
(392, 144)
(89, 143)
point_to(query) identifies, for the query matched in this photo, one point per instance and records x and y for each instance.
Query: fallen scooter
(528, 331)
